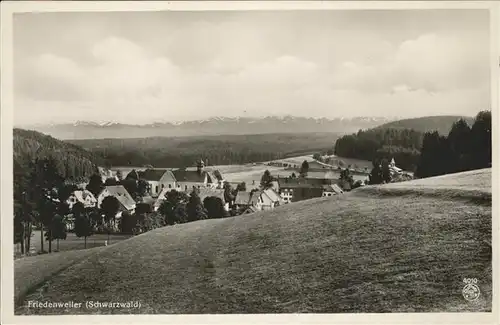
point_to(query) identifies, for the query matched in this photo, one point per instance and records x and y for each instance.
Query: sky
(145, 67)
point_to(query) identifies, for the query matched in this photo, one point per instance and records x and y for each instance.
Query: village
(286, 184)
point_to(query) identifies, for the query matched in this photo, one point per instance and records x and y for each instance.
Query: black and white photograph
(262, 160)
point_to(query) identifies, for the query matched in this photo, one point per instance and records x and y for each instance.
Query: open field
(251, 175)
(365, 251)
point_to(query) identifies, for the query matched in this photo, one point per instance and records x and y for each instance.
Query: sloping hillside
(73, 160)
(442, 124)
(360, 252)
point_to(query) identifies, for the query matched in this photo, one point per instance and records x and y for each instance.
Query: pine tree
(46, 181)
(110, 207)
(267, 180)
(481, 141)
(58, 230)
(346, 179)
(304, 168)
(95, 185)
(460, 146)
(385, 171)
(375, 176)
(194, 207)
(83, 226)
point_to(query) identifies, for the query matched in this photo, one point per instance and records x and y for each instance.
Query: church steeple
(200, 165)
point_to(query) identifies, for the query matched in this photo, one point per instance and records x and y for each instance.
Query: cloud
(429, 62)
(125, 79)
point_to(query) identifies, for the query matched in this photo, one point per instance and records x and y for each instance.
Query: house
(266, 199)
(298, 191)
(395, 171)
(83, 196)
(158, 179)
(205, 192)
(315, 164)
(198, 177)
(330, 190)
(242, 200)
(127, 203)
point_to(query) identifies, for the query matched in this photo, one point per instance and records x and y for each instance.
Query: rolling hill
(73, 161)
(392, 248)
(442, 124)
(211, 126)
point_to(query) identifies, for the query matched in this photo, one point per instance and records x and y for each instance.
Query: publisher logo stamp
(471, 290)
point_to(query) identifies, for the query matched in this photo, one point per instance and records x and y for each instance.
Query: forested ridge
(401, 144)
(73, 162)
(464, 146)
(441, 124)
(218, 150)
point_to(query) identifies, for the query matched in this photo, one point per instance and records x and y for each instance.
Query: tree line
(218, 150)
(464, 148)
(401, 144)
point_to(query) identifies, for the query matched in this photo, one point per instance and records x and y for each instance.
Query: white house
(158, 179)
(394, 169)
(83, 196)
(266, 199)
(127, 203)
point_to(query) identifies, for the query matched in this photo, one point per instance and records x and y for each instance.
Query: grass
(30, 272)
(365, 251)
(74, 243)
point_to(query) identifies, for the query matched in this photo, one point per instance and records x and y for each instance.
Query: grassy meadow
(376, 249)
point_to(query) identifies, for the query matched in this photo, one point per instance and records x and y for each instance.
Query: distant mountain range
(212, 126)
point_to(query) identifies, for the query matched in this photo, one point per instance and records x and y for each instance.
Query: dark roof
(307, 193)
(152, 174)
(132, 174)
(213, 173)
(298, 185)
(189, 176)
